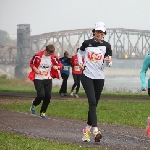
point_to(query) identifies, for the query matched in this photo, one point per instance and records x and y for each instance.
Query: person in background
(146, 65)
(76, 73)
(44, 66)
(65, 72)
(95, 51)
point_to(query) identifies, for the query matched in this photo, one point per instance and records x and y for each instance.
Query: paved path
(70, 131)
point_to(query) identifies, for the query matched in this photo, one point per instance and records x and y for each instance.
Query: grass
(16, 85)
(18, 142)
(117, 112)
(128, 113)
(23, 85)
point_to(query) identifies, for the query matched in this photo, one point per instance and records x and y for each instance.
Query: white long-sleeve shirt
(94, 54)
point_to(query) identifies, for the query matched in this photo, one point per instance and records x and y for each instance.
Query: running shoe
(65, 94)
(76, 95)
(62, 94)
(86, 135)
(32, 109)
(98, 136)
(42, 115)
(71, 94)
(148, 126)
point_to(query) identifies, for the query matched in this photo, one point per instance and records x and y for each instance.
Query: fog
(45, 16)
(55, 15)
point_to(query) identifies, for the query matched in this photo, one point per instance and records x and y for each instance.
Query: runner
(146, 65)
(95, 51)
(65, 73)
(76, 73)
(44, 66)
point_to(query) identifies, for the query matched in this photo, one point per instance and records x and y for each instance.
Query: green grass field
(18, 142)
(129, 113)
(26, 86)
(126, 112)
(118, 112)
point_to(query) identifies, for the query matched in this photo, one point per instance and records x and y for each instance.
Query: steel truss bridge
(131, 42)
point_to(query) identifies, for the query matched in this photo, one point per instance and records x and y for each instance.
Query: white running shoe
(86, 135)
(76, 95)
(71, 94)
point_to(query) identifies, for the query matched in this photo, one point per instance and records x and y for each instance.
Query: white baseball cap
(100, 26)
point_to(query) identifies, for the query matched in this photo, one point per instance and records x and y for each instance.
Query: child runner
(44, 66)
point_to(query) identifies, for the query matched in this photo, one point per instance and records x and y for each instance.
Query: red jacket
(75, 65)
(35, 61)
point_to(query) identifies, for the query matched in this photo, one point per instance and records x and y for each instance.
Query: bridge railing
(124, 42)
(131, 42)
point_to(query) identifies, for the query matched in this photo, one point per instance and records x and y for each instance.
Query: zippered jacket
(35, 61)
(75, 65)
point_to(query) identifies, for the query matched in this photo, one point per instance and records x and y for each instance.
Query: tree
(4, 37)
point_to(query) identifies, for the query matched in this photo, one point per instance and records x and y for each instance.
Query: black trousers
(43, 89)
(93, 89)
(149, 92)
(63, 88)
(77, 78)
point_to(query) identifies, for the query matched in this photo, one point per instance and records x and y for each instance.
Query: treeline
(5, 38)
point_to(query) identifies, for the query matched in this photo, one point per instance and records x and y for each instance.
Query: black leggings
(93, 89)
(77, 78)
(43, 89)
(63, 88)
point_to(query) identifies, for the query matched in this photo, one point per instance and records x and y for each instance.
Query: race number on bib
(76, 68)
(43, 73)
(66, 68)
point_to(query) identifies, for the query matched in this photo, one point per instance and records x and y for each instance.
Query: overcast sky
(55, 15)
